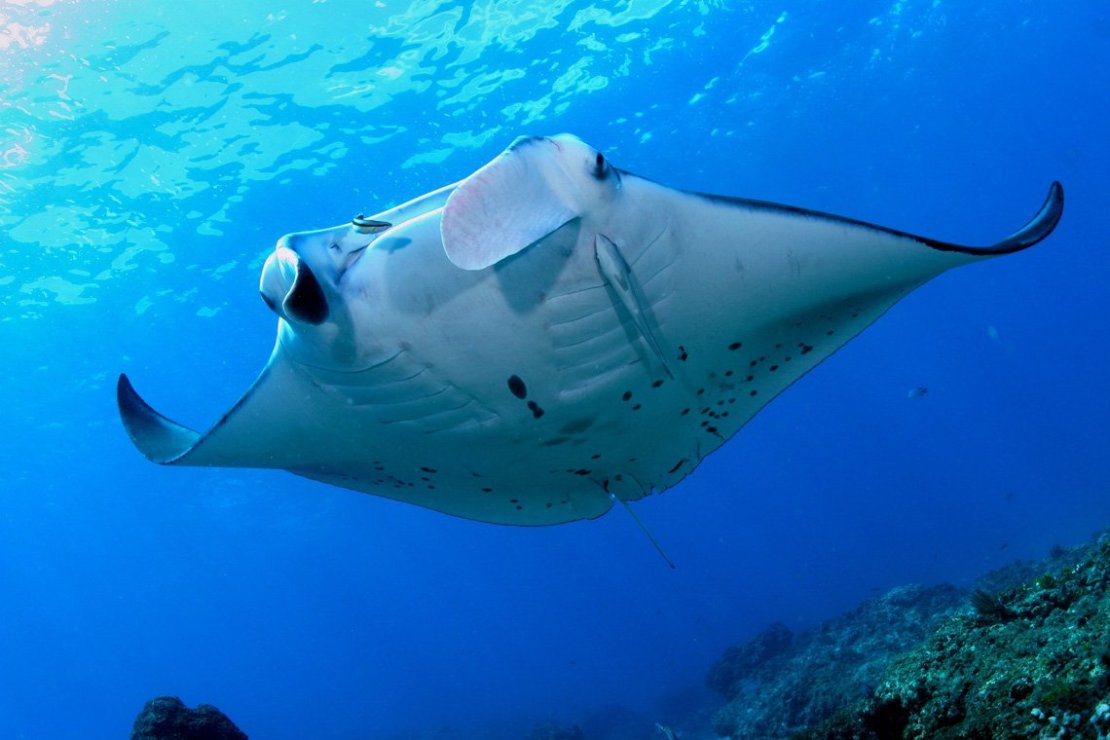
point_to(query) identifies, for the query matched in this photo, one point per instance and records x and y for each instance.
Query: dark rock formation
(742, 662)
(1024, 653)
(551, 730)
(1033, 664)
(779, 687)
(167, 718)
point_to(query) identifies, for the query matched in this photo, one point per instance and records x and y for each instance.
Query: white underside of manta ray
(547, 334)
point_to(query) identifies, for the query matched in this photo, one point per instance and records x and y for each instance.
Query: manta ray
(547, 336)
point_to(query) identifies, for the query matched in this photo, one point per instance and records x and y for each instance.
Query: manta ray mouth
(306, 300)
(291, 289)
(352, 258)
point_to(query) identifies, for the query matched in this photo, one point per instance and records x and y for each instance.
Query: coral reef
(1025, 652)
(742, 662)
(779, 686)
(167, 718)
(552, 730)
(1031, 662)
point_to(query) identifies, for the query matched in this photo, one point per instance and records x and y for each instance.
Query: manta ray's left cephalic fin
(511, 202)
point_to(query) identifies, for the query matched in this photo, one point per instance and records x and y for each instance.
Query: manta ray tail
(640, 523)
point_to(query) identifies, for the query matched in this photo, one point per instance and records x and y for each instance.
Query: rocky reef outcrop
(167, 718)
(1024, 653)
(778, 686)
(1029, 662)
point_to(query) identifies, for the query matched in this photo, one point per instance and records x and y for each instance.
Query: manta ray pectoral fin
(618, 276)
(512, 202)
(260, 431)
(161, 440)
(1040, 226)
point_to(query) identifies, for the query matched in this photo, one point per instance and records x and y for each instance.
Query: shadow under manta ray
(546, 335)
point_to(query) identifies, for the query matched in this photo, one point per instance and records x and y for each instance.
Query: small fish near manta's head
(548, 335)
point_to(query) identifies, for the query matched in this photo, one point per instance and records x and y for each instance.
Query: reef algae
(1036, 664)
(1023, 653)
(776, 690)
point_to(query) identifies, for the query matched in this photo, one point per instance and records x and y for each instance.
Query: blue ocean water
(150, 155)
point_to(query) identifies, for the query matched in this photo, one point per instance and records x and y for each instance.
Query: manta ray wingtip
(160, 439)
(1039, 227)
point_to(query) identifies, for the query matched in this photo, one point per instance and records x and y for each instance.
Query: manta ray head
(301, 282)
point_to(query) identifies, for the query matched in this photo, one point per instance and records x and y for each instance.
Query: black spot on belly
(429, 470)
(735, 346)
(582, 471)
(626, 396)
(682, 355)
(534, 407)
(517, 387)
(806, 349)
(656, 383)
(636, 407)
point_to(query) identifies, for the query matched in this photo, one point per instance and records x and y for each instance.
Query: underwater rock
(741, 661)
(822, 671)
(551, 730)
(1041, 672)
(167, 718)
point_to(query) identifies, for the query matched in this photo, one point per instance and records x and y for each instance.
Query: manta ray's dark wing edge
(1039, 227)
(161, 440)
